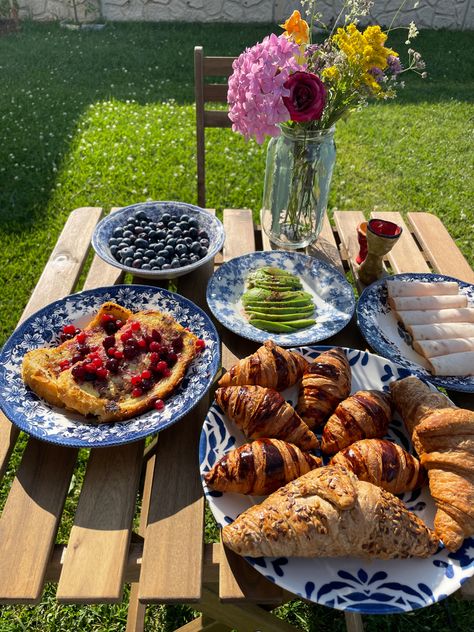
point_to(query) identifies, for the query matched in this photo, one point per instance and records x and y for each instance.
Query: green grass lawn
(107, 119)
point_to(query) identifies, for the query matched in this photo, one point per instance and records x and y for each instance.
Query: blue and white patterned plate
(386, 336)
(354, 584)
(154, 210)
(44, 421)
(333, 295)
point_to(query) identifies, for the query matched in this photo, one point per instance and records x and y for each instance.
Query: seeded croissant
(325, 383)
(330, 513)
(260, 467)
(444, 438)
(263, 412)
(270, 366)
(363, 415)
(382, 463)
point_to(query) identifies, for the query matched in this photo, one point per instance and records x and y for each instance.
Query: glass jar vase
(297, 180)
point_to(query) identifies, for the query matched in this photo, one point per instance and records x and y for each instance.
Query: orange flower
(296, 28)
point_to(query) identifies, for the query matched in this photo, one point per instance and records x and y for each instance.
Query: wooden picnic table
(165, 559)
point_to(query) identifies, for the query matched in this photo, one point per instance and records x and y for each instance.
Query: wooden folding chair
(208, 93)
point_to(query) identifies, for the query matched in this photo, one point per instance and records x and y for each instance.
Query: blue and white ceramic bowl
(353, 584)
(56, 425)
(332, 294)
(155, 210)
(386, 336)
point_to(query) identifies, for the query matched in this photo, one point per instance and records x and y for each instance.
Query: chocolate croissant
(325, 383)
(363, 415)
(330, 513)
(263, 412)
(382, 463)
(444, 438)
(259, 468)
(270, 366)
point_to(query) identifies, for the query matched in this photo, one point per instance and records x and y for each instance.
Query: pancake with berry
(120, 365)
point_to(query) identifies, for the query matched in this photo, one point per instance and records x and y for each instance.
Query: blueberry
(141, 215)
(160, 261)
(124, 243)
(146, 259)
(118, 232)
(177, 232)
(146, 266)
(153, 263)
(128, 233)
(128, 262)
(203, 252)
(196, 248)
(193, 232)
(204, 242)
(193, 222)
(188, 241)
(171, 241)
(185, 218)
(164, 253)
(203, 235)
(153, 234)
(137, 230)
(161, 234)
(165, 218)
(151, 253)
(141, 243)
(183, 225)
(175, 263)
(130, 226)
(113, 250)
(165, 266)
(194, 258)
(172, 225)
(137, 263)
(169, 248)
(185, 261)
(181, 249)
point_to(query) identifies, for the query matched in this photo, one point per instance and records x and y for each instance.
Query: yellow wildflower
(331, 74)
(296, 28)
(364, 51)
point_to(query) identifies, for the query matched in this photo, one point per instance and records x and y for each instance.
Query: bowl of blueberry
(158, 240)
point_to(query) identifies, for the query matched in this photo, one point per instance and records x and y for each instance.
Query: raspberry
(137, 392)
(146, 375)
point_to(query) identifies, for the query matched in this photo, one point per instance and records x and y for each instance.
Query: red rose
(307, 97)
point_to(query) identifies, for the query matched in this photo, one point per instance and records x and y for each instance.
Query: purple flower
(257, 87)
(377, 74)
(307, 97)
(394, 64)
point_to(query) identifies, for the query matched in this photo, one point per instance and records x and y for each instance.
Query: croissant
(260, 467)
(330, 513)
(270, 366)
(363, 415)
(382, 463)
(443, 436)
(325, 383)
(263, 412)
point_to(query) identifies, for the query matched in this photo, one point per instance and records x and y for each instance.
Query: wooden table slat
(346, 224)
(240, 236)
(326, 247)
(405, 256)
(98, 544)
(30, 519)
(439, 246)
(101, 273)
(57, 280)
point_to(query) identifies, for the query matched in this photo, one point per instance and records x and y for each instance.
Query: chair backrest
(208, 93)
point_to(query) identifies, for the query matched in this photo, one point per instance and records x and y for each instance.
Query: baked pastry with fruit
(260, 467)
(330, 513)
(120, 365)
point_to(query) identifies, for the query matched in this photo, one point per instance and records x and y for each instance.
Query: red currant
(137, 392)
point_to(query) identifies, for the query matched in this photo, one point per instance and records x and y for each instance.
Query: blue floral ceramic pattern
(386, 336)
(43, 421)
(333, 295)
(154, 210)
(353, 584)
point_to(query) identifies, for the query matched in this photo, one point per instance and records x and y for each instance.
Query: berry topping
(112, 365)
(146, 375)
(137, 392)
(172, 358)
(135, 326)
(159, 404)
(111, 351)
(69, 330)
(108, 342)
(200, 344)
(64, 364)
(102, 373)
(155, 346)
(136, 380)
(177, 344)
(78, 372)
(155, 334)
(81, 337)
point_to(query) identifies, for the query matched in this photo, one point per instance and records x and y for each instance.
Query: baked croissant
(382, 463)
(270, 366)
(330, 513)
(263, 412)
(325, 383)
(260, 467)
(444, 438)
(363, 415)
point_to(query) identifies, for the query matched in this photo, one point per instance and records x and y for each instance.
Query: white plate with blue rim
(388, 337)
(352, 584)
(332, 295)
(56, 425)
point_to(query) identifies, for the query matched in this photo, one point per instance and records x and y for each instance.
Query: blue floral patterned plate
(44, 421)
(354, 584)
(333, 295)
(386, 336)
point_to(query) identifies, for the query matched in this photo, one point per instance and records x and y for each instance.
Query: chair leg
(136, 612)
(354, 622)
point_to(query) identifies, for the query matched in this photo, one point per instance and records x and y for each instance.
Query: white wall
(451, 14)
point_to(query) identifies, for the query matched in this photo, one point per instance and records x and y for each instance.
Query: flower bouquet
(294, 90)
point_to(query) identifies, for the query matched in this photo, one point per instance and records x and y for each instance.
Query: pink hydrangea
(256, 87)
